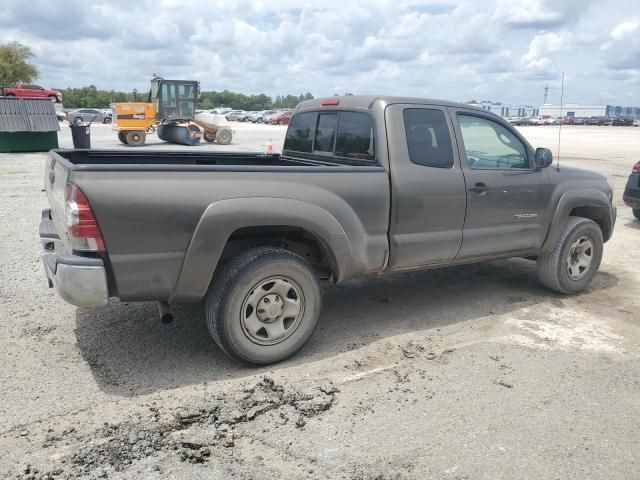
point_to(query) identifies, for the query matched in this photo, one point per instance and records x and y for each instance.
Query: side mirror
(544, 157)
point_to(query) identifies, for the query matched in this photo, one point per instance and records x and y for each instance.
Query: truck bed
(150, 206)
(101, 160)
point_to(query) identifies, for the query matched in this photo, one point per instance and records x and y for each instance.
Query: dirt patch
(194, 433)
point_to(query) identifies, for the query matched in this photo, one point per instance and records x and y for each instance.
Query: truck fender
(221, 219)
(570, 199)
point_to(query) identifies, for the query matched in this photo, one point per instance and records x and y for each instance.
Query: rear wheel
(77, 121)
(122, 136)
(53, 98)
(263, 306)
(636, 213)
(575, 259)
(135, 138)
(107, 120)
(223, 137)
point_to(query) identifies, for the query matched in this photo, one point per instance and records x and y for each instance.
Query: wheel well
(295, 239)
(600, 215)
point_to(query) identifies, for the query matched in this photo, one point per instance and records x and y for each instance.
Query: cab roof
(368, 101)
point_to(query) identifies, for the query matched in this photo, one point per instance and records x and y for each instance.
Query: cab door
(427, 186)
(505, 192)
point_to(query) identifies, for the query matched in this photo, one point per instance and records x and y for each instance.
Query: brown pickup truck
(364, 186)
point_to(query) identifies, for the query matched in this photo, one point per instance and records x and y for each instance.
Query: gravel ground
(463, 373)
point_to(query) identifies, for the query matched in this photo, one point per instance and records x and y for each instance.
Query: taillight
(330, 101)
(81, 222)
(636, 168)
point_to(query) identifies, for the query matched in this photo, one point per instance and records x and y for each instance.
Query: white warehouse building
(585, 111)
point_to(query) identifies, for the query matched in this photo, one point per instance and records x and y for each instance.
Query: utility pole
(546, 92)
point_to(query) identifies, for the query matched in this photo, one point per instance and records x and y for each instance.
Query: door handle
(479, 188)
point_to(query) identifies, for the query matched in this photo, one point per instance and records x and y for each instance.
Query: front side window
(428, 138)
(489, 145)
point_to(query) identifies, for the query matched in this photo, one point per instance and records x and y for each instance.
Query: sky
(499, 50)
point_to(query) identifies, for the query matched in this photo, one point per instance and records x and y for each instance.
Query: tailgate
(56, 173)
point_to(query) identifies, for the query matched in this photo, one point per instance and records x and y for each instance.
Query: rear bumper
(81, 281)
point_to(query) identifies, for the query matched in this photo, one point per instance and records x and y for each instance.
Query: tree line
(91, 97)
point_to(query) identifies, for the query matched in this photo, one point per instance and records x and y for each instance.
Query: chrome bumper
(78, 280)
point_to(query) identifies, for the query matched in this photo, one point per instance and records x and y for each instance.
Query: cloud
(450, 49)
(622, 50)
(539, 14)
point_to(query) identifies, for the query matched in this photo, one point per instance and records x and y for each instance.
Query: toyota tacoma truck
(364, 186)
(31, 90)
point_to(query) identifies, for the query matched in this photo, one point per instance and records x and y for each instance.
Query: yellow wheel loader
(170, 112)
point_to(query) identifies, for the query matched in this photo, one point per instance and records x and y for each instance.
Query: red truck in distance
(31, 90)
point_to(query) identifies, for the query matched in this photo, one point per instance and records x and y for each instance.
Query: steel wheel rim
(580, 257)
(272, 310)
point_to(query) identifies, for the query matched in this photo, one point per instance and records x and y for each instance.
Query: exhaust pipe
(166, 315)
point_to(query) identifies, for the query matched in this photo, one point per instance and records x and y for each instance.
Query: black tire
(553, 270)
(77, 121)
(238, 281)
(107, 120)
(224, 136)
(122, 136)
(135, 138)
(53, 98)
(280, 122)
(636, 213)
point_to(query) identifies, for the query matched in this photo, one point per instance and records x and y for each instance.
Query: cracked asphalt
(472, 372)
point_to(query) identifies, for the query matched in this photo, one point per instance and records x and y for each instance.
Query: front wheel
(223, 136)
(53, 98)
(636, 213)
(107, 120)
(575, 259)
(77, 121)
(263, 306)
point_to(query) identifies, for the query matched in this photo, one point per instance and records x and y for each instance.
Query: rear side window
(347, 135)
(428, 139)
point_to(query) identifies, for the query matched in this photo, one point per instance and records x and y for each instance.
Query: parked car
(596, 121)
(519, 121)
(622, 122)
(631, 195)
(259, 117)
(280, 118)
(220, 111)
(235, 115)
(86, 115)
(546, 120)
(31, 90)
(636, 122)
(251, 237)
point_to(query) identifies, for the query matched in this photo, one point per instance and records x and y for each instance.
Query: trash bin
(81, 135)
